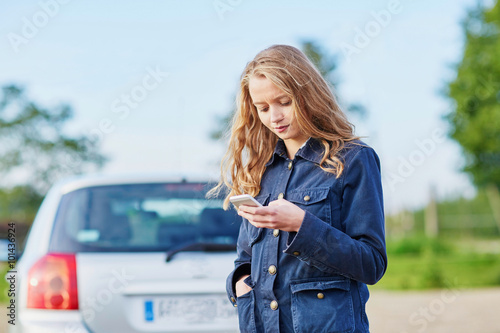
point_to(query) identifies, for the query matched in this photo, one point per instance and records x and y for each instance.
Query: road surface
(438, 311)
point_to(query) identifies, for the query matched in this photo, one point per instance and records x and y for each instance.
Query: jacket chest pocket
(314, 200)
(322, 306)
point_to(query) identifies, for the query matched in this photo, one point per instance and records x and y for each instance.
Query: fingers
(263, 210)
(247, 209)
(261, 217)
(260, 213)
(280, 214)
(256, 217)
(241, 287)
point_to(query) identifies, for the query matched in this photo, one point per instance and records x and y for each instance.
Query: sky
(150, 78)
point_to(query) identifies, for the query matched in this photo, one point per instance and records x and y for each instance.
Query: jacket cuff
(236, 274)
(304, 243)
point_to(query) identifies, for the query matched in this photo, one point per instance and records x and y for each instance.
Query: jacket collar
(312, 151)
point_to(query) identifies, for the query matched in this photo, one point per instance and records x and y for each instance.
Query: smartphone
(244, 199)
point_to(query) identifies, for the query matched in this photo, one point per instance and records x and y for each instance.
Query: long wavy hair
(315, 108)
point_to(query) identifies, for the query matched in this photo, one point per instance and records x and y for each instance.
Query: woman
(304, 259)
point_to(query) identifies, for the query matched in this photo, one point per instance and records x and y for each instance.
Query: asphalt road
(438, 311)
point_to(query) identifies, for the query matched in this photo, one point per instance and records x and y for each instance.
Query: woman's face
(275, 111)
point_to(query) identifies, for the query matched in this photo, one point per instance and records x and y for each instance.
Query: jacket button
(280, 196)
(290, 165)
(276, 232)
(307, 198)
(296, 253)
(232, 299)
(321, 295)
(274, 305)
(272, 269)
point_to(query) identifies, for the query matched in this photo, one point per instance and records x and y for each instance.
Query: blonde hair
(315, 108)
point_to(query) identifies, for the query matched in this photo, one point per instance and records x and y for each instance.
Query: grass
(3, 283)
(420, 263)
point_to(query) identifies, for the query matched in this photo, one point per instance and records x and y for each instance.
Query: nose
(277, 114)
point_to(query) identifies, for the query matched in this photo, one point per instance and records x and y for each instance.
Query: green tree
(35, 147)
(326, 64)
(19, 203)
(475, 93)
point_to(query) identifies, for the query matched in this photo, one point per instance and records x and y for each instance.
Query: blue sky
(179, 61)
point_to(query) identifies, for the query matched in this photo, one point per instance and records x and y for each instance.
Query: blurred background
(149, 86)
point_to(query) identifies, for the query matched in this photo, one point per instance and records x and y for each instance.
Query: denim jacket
(314, 280)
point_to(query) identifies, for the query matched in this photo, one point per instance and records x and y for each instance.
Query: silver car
(134, 254)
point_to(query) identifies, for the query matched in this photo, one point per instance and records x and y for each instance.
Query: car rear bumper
(49, 321)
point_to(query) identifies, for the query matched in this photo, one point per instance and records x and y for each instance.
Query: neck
(293, 146)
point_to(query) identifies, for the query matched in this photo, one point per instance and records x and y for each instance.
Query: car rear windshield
(141, 217)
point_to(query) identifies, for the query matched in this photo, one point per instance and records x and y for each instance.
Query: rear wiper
(200, 246)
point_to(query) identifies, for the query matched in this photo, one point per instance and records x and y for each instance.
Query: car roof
(90, 180)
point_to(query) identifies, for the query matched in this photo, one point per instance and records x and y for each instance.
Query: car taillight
(52, 283)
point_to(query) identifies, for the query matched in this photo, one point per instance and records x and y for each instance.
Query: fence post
(494, 199)
(431, 215)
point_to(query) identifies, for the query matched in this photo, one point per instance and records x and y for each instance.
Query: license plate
(193, 309)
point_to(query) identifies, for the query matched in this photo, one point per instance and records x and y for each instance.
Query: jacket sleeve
(242, 264)
(358, 253)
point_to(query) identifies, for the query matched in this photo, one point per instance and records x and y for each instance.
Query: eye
(263, 109)
(287, 103)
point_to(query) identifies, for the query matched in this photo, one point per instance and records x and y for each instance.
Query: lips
(280, 129)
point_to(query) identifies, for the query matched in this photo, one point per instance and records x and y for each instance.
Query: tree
(475, 93)
(326, 64)
(18, 204)
(34, 143)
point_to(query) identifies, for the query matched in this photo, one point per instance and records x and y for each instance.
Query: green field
(3, 283)
(419, 263)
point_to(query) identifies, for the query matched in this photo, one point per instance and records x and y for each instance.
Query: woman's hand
(280, 214)
(241, 287)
